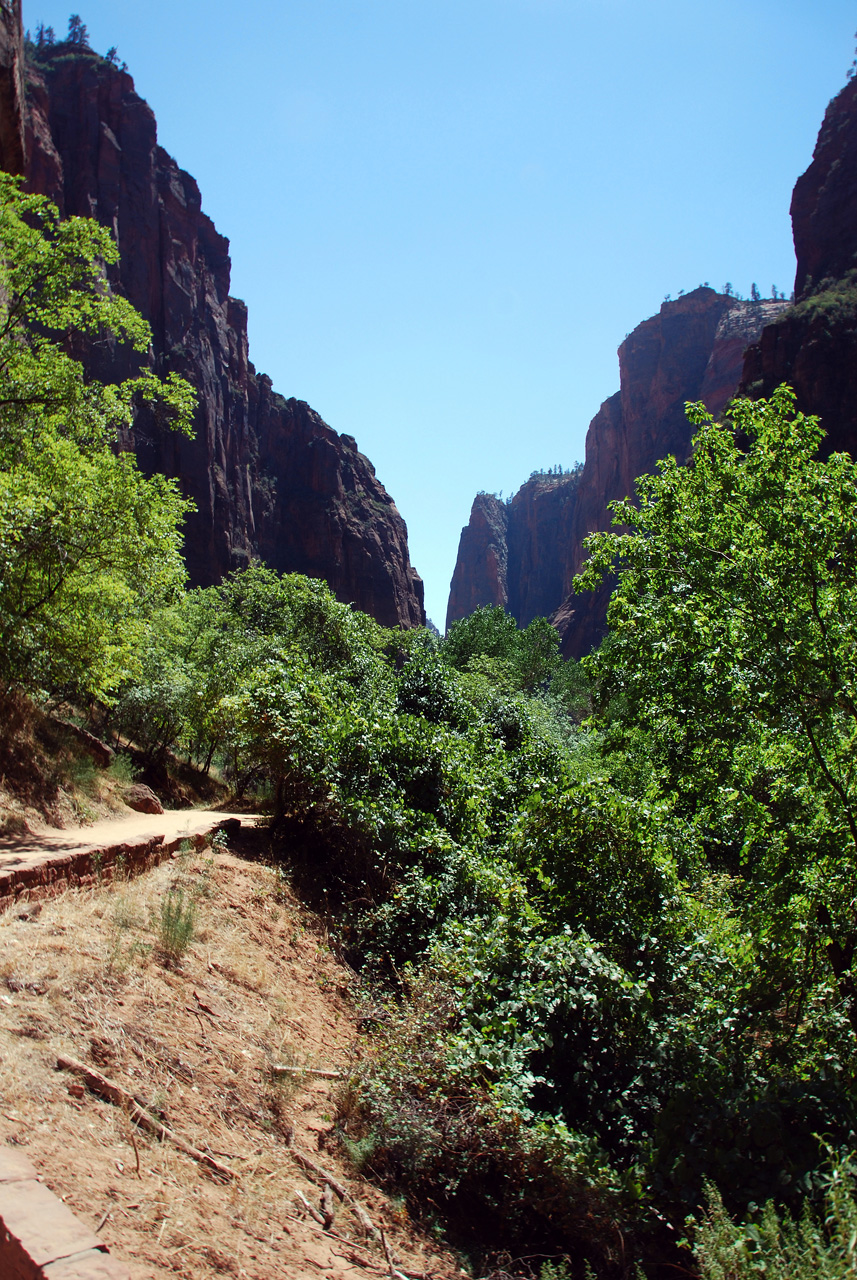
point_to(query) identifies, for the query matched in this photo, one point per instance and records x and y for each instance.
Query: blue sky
(445, 215)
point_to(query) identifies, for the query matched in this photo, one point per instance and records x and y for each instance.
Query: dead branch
(323, 1072)
(363, 1218)
(136, 1152)
(327, 1209)
(387, 1254)
(306, 1160)
(311, 1209)
(122, 1098)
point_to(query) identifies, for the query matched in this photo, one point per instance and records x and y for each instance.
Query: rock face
(511, 552)
(11, 87)
(524, 555)
(269, 478)
(824, 201)
(813, 345)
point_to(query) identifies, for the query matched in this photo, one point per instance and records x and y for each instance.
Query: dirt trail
(49, 842)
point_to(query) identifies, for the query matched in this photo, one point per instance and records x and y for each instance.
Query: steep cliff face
(813, 345)
(824, 201)
(509, 551)
(11, 87)
(481, 570)
(268, 476)
(692, 350)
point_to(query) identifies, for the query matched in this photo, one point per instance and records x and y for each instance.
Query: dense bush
(585, 1015)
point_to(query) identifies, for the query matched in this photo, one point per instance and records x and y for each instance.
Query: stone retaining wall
(40, 1238)
(48, 877)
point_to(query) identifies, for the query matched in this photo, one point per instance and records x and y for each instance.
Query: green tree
(89, 547)
(733, 647)
(77, 32)
(527, 658)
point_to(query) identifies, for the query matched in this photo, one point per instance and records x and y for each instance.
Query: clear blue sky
(445, 214)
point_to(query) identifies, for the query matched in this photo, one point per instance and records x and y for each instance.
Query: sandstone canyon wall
(269, 478)
(524, 554)
(508, 553)
(11, 87)
(813, 345)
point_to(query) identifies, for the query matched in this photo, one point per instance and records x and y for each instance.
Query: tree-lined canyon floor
(81, 976)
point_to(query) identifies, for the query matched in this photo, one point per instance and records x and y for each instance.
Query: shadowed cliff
(813, 345)
(269, 478)
(524, 554)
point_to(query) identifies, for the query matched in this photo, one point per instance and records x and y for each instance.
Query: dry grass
(257, 984)
(45, 773)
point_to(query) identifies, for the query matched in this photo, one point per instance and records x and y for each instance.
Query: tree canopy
(733, 646)
(88, 545)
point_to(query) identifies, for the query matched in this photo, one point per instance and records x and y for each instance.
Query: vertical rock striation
(12, 95)
(509, 553)
(813, 345)
(691, 350)
(269, 478)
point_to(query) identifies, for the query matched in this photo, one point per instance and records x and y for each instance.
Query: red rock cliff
(813, 345)
(692, 350)
(510, 553)
(268, 476)
(12, 95)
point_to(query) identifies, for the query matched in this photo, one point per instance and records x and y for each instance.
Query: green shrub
(818, 1245)
(175, 924)
(122, 768)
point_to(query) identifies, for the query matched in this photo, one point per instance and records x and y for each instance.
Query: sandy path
(40, 846)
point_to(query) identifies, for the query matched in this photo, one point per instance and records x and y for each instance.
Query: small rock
(142, 799)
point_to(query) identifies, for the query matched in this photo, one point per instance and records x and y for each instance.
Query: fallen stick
(369, 1262)
(388, 1255)
(311, 1209)
(327, 1209)
(136, 1152)
(122, 1098)
(367, 1225)
(323, 1072)
(308, 1163)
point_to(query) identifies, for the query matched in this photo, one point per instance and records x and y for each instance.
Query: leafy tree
(88, 546)
(733, 645)
(530, 656)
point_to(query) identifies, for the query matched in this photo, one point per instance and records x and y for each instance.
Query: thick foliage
(88, 546)
(490, 640)
(734, 649)
(577, 1027)
(816, 1246)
